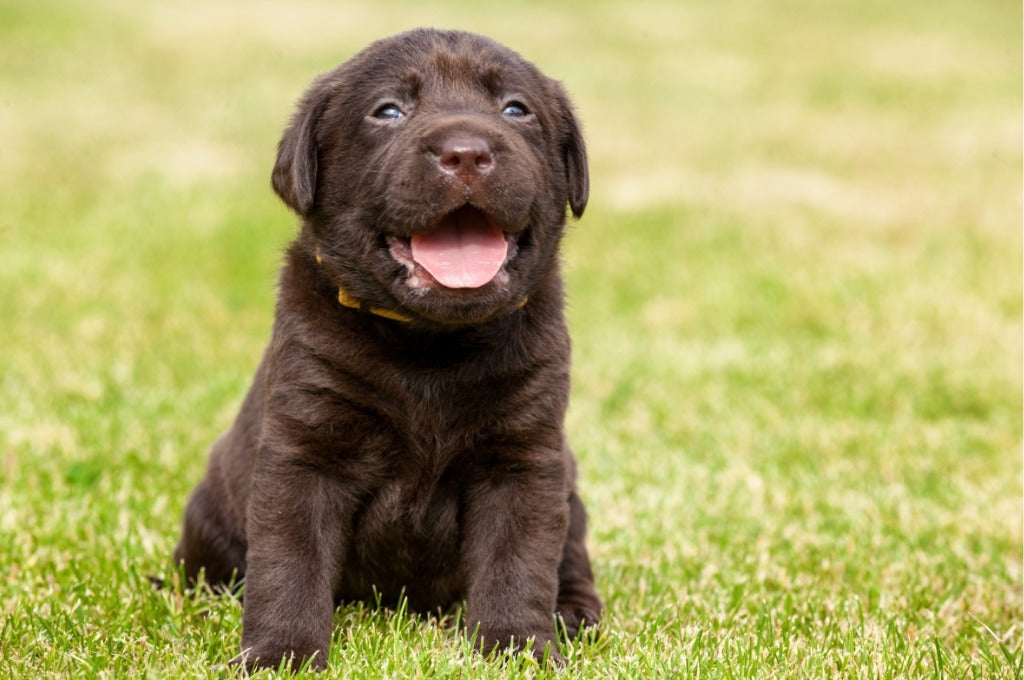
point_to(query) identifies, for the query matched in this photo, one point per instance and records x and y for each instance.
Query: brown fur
(424, 456)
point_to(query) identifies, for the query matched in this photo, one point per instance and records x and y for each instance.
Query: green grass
(795, 298)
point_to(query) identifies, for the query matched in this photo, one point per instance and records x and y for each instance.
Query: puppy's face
(433, 171)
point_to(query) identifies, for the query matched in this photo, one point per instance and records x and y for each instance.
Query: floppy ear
(294, 176)
(575, 156)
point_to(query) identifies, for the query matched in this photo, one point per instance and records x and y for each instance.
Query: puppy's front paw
(540, 645)
(577, 619)
(259, 657)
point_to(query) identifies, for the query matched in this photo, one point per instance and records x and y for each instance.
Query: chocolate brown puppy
(404, 431)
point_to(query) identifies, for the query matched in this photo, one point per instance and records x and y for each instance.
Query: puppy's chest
(433, 439)
(412, 504)
(408, 533)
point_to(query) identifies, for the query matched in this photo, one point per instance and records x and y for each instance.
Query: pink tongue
(464, 251)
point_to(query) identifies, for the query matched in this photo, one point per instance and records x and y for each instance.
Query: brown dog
(404, 431)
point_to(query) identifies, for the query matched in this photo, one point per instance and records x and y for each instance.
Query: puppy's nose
(465, 157)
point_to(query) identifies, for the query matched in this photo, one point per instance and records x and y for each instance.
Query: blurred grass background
(795, 298)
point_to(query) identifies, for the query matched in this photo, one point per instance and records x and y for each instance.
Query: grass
(795, 297)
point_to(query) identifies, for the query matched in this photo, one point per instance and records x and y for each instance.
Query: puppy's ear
(294, 176)
(575, 155)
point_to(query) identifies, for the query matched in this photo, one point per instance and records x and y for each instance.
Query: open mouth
(466, 249)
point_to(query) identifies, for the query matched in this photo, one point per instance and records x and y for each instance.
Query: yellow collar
(347, 300)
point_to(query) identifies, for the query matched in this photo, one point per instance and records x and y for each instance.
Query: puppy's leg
(578, 605)
(209, 540)
(296, 543)
(515, 529)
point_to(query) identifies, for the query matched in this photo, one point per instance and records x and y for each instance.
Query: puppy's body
(404, 435)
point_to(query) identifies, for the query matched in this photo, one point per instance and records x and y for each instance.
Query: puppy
(403, 434)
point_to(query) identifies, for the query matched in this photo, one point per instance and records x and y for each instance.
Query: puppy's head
(432, 171)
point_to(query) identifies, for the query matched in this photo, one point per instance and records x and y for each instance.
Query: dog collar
(347, 300)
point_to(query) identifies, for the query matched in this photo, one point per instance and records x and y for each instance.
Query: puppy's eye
(515, 109)
(388, 111)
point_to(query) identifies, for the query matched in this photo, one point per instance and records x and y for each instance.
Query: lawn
(795, 299)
